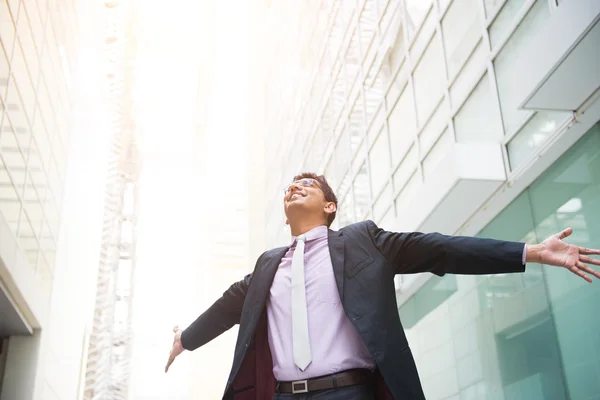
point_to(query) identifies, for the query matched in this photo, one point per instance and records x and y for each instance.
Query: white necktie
(300, 339)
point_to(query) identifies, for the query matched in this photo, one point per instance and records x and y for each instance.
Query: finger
(589, 260)
(583, 250)
(175, 328)
(171, 358)
(589, 270)
(565, 233)
(579, 272)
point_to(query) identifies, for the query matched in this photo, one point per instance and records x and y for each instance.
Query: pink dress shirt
(335, 344)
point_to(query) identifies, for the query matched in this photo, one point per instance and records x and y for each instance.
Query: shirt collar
(315, 233)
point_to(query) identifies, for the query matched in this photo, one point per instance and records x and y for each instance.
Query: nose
(293, 188)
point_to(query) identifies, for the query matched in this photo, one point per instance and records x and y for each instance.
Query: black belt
(341, 379)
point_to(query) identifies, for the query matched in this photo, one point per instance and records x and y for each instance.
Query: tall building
(474, 117)
(56, 133)
(110, 345)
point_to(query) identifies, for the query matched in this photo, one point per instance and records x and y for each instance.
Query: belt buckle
(304, 388)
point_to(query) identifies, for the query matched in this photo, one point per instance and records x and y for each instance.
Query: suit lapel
(336, 251)
(267, 276)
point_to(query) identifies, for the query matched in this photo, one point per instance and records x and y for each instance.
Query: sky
(191, 121)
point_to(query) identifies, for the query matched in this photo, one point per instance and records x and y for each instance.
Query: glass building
(473, 117)
(55, 131)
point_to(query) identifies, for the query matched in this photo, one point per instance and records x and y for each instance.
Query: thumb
(565, 233)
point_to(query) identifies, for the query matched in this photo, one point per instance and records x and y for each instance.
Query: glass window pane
(568, 195)
(398, 85)
(436, 125)
(415, 13)
(357, 123)
(24, 85)
(27, 44)
(424, 36)
(353, 59)
(338, 97)
(343, 155)
(398, 50)
(33, 207)
(10, 205)
(14, 159)
(379, 157)
(362, 192)
(507, 58)
(407, 193)
(402, 126)
(478, 120)
(345, 213)
(438, 152)
(533, 135)
(505, 19)
(461, 27)
(367, 25)
(519, 336)
(7, 28)
(383, 202)
(406, 168)
(27, 239)
(429, 80)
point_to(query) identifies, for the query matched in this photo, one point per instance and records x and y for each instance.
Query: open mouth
(296, 196)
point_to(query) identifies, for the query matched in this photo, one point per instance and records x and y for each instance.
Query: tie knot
(301, 238)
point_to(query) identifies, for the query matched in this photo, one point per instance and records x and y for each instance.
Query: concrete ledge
(464, 179)
(30, 294)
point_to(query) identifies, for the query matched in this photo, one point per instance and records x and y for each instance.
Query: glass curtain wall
(37, 52)
(374, 94)
(519, 336)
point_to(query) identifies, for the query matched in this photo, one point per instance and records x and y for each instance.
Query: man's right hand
(177, 348)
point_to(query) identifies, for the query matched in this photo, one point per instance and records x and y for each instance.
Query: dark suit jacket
(365, 259)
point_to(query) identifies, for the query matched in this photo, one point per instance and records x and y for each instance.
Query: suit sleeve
(416, 252)
(220, 317)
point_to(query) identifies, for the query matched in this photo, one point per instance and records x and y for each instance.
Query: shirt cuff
(524, 260)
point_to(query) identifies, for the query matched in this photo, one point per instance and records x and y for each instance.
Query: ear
(330, 208)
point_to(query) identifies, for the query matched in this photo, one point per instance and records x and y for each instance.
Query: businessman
(318, 318)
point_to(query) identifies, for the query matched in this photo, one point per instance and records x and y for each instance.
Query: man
(318, 318)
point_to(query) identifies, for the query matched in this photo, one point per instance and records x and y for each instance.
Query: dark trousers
(357, 392)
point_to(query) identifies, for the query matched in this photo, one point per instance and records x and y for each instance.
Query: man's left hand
(553, 251)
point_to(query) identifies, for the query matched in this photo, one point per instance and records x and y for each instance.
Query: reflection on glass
(534, 134)
(519, 336)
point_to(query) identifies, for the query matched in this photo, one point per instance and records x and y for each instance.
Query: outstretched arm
(418, 252)
(415, 252)
(219, 317)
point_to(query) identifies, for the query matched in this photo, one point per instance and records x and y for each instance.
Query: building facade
(55, 148)
(474, 117)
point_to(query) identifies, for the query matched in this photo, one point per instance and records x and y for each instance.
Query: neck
(301, 227)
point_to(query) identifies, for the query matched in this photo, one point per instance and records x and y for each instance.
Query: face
(306, 197)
